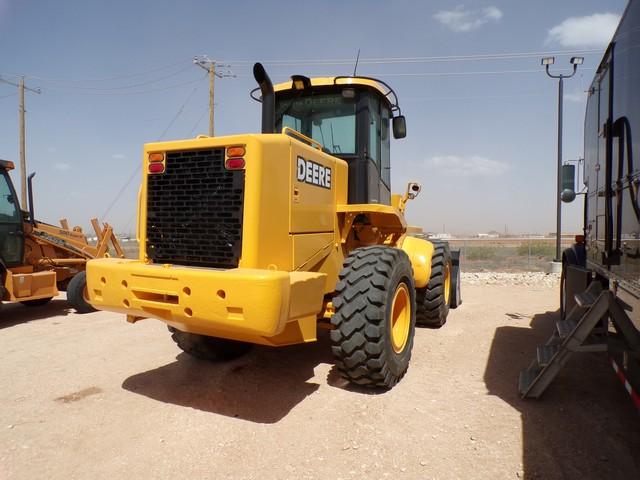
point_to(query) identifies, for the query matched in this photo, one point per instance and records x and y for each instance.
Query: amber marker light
(156, 157)
(236, 151)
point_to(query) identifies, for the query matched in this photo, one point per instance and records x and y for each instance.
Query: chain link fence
(526, 254)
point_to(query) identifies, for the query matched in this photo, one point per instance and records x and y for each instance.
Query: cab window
(385, 150)
(8, 205)
(327, 118)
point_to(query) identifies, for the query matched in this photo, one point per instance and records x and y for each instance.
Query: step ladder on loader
(584, 329)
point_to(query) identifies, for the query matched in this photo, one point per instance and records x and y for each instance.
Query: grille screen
(194, 211)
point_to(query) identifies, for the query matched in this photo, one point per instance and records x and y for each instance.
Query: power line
(433, 59)
(142, 92)
(139, 167)
(444, 74)
(124, 87)
(105, 79)
(193, 130)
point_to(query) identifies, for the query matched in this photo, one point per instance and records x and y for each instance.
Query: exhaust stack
(268, 98)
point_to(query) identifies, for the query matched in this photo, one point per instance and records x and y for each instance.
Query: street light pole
(547, 61)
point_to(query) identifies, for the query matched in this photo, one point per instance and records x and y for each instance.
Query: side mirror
(399, 127)
(568, 193)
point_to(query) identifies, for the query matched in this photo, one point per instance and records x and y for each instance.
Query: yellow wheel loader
(264, 238)
(37, 259)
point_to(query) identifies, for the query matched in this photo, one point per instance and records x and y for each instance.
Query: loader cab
(11, 230)
(352, 117)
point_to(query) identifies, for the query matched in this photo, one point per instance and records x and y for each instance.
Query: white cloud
(62, 166)
(591, 31)
(118, 156)
(473, 166)
(461, 20)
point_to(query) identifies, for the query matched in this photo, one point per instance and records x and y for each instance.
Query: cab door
(11, 232)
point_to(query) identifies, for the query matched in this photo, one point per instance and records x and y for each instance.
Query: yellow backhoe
(37, 260)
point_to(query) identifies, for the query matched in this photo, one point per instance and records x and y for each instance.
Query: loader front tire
(374, 320)
(77, 294)
(206, 348)
(434, 299)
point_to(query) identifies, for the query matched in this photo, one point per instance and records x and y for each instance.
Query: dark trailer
(600, 286)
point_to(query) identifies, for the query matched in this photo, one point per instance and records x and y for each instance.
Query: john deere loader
(265, 238)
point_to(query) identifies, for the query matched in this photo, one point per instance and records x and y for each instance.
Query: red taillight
(156, 167)
(234, 163)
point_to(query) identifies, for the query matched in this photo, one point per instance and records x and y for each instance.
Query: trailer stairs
(584, 329)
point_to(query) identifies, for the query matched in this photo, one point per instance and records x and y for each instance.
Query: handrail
(303, 138)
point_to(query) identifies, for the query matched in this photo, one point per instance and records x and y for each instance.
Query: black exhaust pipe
(32, 217)
(268, 99)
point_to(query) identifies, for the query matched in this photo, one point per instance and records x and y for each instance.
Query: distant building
(441, 236)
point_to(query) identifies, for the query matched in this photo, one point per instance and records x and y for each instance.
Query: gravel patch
(532, 279)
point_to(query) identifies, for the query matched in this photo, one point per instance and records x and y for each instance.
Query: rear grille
(194, 211)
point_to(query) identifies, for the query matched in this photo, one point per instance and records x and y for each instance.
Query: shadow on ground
(584, 426)
(12, 314)
(262, 386)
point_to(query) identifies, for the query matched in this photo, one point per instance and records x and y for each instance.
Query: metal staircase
(583, 330)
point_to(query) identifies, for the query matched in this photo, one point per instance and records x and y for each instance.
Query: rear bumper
(260, 306)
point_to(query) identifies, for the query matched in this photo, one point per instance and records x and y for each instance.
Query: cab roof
(328, 81)
(385, 90)
(6, 165)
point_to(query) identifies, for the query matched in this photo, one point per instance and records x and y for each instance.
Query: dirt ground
(90, 396)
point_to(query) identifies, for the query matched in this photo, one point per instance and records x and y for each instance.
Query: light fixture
(548, 60)
(577, 60)
(300, 82)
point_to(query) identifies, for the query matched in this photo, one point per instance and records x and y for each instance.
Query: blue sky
(481, 132)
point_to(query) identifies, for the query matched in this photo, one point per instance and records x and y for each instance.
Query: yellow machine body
(295, 237)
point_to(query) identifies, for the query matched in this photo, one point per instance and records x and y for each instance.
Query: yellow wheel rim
(400, 318)
(447, 283)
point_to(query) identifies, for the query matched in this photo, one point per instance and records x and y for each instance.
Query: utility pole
(209, 65)
(21, 112)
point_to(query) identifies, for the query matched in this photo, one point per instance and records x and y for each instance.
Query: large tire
(209, 348)
(37, 302)
(374, 320)
(77, 295)
(433, 300)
